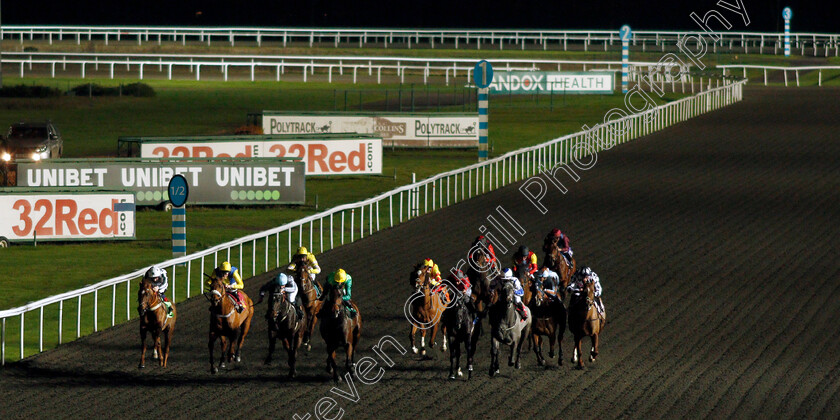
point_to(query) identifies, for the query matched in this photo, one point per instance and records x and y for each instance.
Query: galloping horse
(226, 323)
(481, 280)
(425, 311)
(557, 263)
(309, 298)
(153, 318)
(339, 330)
(549, 320)
(522, 273)
(458, 326)
(506, 327)
(584, 320)
(283, 323)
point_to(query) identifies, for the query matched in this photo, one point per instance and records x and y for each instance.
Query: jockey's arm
(597, 283)
(533, 267)
(313, 264)
(348, 286)
(237, 284)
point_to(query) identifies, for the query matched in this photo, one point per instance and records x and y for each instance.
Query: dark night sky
(765, 15)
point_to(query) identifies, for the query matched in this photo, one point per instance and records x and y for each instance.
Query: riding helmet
(225, 266)
(282, 279)
(154, 272)
(340, 276)
(302, 251)
(524, 251)
(428, 263)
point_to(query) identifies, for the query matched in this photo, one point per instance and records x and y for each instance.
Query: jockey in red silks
(462, 284)
(485, 244)
(562, 240)
(525, 256)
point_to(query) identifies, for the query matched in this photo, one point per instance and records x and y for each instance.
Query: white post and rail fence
(31, 328)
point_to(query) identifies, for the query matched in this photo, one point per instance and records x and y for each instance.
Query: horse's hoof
(517, 365)
(141, 366)
(267, 362)
(510, 362)
(559, 361)
(214, 370)
(238, 359)
(591, 358)
(460, 374)
(414, 349)
(493, 372)
(422, 352)
(308, 347)
(551, 355)
(222, 365)
(579, 367)
(451, 376)
(292, 374)
(541, 362)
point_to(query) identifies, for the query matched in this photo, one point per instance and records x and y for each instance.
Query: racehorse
(309, 298)
(283, 323)
(153, 318)
(522, 273)
(507, 327)
(458, 326)
(557, 263)
(481, 280)
(549, 320)
(226, 324)
(339, 329)
(425, 311)
(584, 320)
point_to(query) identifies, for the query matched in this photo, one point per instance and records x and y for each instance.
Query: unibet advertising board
(395, 129)
(347, 155)
(66, 215)
(211, 181)
(546, 82)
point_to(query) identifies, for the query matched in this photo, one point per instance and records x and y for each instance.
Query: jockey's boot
(350, 308)
(520, 307)
(298, 310)
(168, 305)
(318, 291)
(600, 305)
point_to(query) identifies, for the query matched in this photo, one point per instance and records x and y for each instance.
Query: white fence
(785, 70)
(761, 42)
(306, 65)
(346, 223)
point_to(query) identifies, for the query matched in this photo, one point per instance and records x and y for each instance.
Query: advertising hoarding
(66, 215)
(395, 129)
(212, 181)
(546, 82)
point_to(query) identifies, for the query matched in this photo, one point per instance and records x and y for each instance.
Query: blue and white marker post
(624, 33)
(483, 77)
(787, 14)
(178, 192)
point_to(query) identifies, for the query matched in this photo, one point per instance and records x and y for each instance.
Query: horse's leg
(423, 342)
(291, 349)
(245, 328)
(223, 341)
(210, 344)
(443, 333)
(411, 337)
(156, 338)
(537, 339)
(494, 357)
(551, 339)
(332, 365)
(468, 347)
(578, 353)
(311, 320)
(272, 342)
(593, 353)
(520, 342)
(142, 347)
(169, 333)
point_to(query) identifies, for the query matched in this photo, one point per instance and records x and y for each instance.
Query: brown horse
(584, 320)
(339, 329)
(153, 318)
(226, 324)
(557, 263)
(424, 310)
(525, 279)
(308, 296)
(283, 323)
(549, 320)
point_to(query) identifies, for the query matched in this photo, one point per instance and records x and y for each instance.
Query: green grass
(91, 127)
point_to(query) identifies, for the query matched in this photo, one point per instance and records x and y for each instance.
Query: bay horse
(339, 330)
(584, 320)
(458, 326)
(226, 324)
(424, 311)
(549, 320)
(308, 296)
(154, 319)
(483, 289)
(555, 260)
(506, 327)
(283, 323)
(521, 271)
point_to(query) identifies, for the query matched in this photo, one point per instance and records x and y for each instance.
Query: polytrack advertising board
(66, 215)
(211, 181)
(334, 155)
(395, 129)
(546, 82)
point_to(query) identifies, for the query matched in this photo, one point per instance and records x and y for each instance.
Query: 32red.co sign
(66, 216)
(353, 156)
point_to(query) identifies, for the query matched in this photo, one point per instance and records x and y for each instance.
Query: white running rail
(785, 70)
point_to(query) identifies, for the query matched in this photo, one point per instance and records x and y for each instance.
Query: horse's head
(422, 278)
(336, 301)
(539, 291)
(301, 267)
(508, 292)
(589, 289)
(522, 272)
(216, 291)
(146, 297)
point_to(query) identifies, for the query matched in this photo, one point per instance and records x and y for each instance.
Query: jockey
(285, 284)
(314, 269)
(562, 241)
(576, 286)
(525, 256)
(485, 243)
(550, 281)
(341, 280)
(518, 292)
(462, 284)
(429, 265)
(234, 285)
(157, 277)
